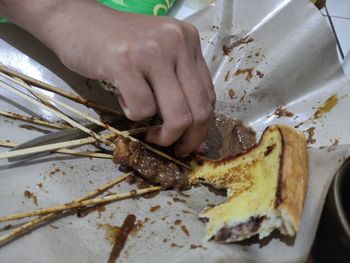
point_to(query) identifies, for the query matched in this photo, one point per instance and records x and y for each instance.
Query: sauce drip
(327, 106)
(121, 237)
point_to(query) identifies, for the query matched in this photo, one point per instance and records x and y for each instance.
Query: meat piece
(227, 137)
(152, 167)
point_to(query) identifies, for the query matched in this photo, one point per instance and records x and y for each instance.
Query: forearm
(42, 18)
(28, 13)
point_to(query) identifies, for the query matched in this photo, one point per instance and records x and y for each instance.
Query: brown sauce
(248, 72)
(260, 74)
(185, 230)
(227, 76)
(82, 212)
(177, 222)
(226, 50)
(193, 246)
(310, 137)
(173, 245)
(30, 195)
(283, 112)
(231, 93)
(154, 208)
(121, 237)
(327, 106)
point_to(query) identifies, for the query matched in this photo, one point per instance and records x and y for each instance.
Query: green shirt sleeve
(145, 7)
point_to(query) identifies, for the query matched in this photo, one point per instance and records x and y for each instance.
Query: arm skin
(156, 62)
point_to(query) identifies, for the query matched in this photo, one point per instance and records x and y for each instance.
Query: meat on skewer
(153, 168)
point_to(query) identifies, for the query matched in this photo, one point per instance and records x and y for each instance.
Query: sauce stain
(173, 245)
(193, 246)
(227, 76)
(327, 106)
(111, 232)
(82, 212)
(177, 222)
(185, 230)
(138, 226)
(283, 112)
(30, 195)
(311, 133)
(54, 170)
(154, 208)
(248, 72)
(260, 74)
(121, 237)
(231, 93)
(226, 50)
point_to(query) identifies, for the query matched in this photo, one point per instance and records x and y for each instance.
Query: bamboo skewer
(82, 114)
(7, 144)
(36, 95)
(112, 129)
(30, 225)
(58, 91)
(140, 130)
(62, 116)
(33, 120)
(53, 147)
(66, 151)
(75, 205)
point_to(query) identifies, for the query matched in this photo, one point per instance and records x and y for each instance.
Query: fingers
(199, 103)
(206, 77)
(172, 105)
(196, 50)
(185, 98)
(137, 99)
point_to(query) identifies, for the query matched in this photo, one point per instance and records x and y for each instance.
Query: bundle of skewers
(153, 164)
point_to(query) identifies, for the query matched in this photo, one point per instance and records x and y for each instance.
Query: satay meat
(154, 169)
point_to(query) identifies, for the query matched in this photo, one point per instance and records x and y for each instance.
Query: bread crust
(293, 177)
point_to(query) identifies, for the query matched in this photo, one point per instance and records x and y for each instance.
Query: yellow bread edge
(293, 178)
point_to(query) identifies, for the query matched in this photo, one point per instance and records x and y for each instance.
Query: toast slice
(266, 187)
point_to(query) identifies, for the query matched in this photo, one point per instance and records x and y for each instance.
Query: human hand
(156, 62)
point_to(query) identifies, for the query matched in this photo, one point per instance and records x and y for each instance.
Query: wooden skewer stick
(30, 225)
(58, 91)
(75, 205)
(33, 120)
(140, 130)
(53, 147)
(112, 129)
(62, 116)
(35, 94)
(66, 151)
(7, 144)
(88, 117)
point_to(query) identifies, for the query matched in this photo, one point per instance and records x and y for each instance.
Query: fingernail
(123, 105)
(181, 155)
(184, 155)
